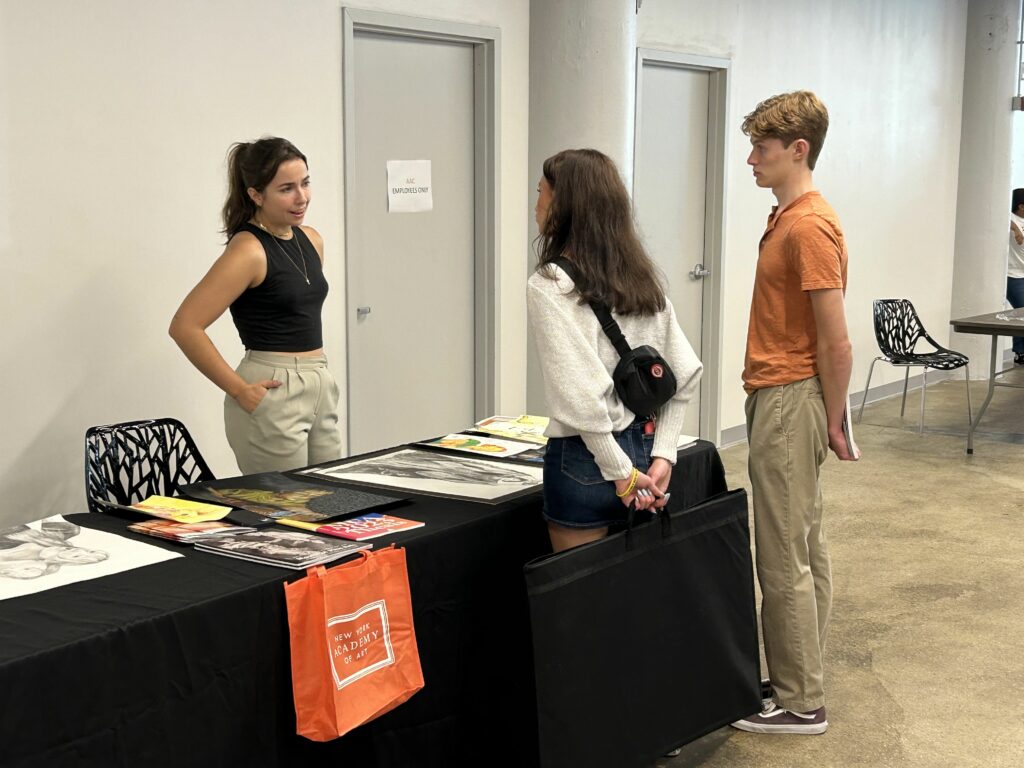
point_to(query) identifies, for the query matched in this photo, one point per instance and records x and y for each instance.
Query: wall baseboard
(738, 433)
(734, 435)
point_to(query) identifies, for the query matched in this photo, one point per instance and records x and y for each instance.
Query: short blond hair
(788, 117)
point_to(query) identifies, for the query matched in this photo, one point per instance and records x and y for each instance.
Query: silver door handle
(699, 272)
(362, 311)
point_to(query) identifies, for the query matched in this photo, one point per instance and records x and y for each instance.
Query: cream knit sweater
(578, 360)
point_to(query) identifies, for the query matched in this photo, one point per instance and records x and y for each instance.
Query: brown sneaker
(775, 719)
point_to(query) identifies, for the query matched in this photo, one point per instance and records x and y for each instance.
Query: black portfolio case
(647, 639)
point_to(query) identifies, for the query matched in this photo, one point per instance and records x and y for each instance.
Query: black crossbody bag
(643, 379)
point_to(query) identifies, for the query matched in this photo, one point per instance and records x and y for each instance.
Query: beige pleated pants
(788, 438)
(294, 425)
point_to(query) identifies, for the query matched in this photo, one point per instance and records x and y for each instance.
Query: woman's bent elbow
(176, 330)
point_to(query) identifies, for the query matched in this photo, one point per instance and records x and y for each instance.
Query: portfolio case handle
(663, 513)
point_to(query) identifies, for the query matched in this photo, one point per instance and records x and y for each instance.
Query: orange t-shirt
(802, 250)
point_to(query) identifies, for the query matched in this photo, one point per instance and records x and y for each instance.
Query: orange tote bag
(353, 644)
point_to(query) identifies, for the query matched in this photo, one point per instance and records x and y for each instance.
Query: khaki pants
(294, 425)
(788, 440)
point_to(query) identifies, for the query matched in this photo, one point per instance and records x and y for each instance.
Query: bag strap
(663, 513)
(604, 317)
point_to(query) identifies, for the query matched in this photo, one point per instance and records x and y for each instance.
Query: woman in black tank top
(281, 404)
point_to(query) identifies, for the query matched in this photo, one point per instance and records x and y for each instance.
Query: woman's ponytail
(238, 207)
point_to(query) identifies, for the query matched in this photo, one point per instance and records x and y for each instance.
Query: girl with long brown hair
(601, 458)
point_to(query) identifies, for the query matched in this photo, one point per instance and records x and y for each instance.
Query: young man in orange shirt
(796, 374)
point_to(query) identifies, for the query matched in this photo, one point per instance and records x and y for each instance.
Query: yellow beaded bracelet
(632, 484)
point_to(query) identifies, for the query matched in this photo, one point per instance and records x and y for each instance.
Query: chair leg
(924, 389)
(864, 399)
(967, 380)
(906, 380)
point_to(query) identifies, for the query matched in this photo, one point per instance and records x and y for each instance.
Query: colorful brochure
(359, 528)
(484, 446)
(525, 427)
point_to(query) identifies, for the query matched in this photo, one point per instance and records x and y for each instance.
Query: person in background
(600, 458)
(1015, 266)
(796, 375)
(281, 402)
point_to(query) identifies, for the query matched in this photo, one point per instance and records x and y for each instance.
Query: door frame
(712, 317)
(486, 42)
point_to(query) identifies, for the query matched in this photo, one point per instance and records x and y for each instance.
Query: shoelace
(774, 710)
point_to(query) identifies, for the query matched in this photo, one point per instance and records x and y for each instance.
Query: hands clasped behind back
(645, 493)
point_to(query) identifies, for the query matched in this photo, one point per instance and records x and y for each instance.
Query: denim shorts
(575, 494)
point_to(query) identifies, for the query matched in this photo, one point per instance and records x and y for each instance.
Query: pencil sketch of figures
(26, 553)
(55, 552)
(438, 474)
(436, 466)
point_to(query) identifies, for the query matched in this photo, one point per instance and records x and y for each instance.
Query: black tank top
(282, 314)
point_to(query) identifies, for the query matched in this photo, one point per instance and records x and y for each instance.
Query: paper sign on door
(409, 189)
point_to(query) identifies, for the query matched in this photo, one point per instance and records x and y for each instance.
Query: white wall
(890, 73)
(115, 117)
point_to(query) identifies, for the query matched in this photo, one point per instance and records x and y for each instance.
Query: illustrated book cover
(359, 528)
(274, 495)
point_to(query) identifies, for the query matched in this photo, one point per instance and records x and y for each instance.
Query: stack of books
(187, 533)
(285, 549)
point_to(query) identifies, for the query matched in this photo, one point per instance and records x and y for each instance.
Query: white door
(411, 323)
(670, 190)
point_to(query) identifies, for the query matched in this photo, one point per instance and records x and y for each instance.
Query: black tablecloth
(186, 662)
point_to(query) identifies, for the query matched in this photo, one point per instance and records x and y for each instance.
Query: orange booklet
(358, 528)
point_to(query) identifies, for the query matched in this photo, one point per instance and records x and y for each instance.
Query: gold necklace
(298, 247)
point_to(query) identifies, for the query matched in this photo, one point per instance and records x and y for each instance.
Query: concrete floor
(925, 664)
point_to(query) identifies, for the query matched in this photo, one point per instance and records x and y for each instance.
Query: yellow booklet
(181, 510)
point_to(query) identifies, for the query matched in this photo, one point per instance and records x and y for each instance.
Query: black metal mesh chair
(126, 463)
(897, 331)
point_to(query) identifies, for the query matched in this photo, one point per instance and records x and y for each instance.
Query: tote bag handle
(663, 513)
